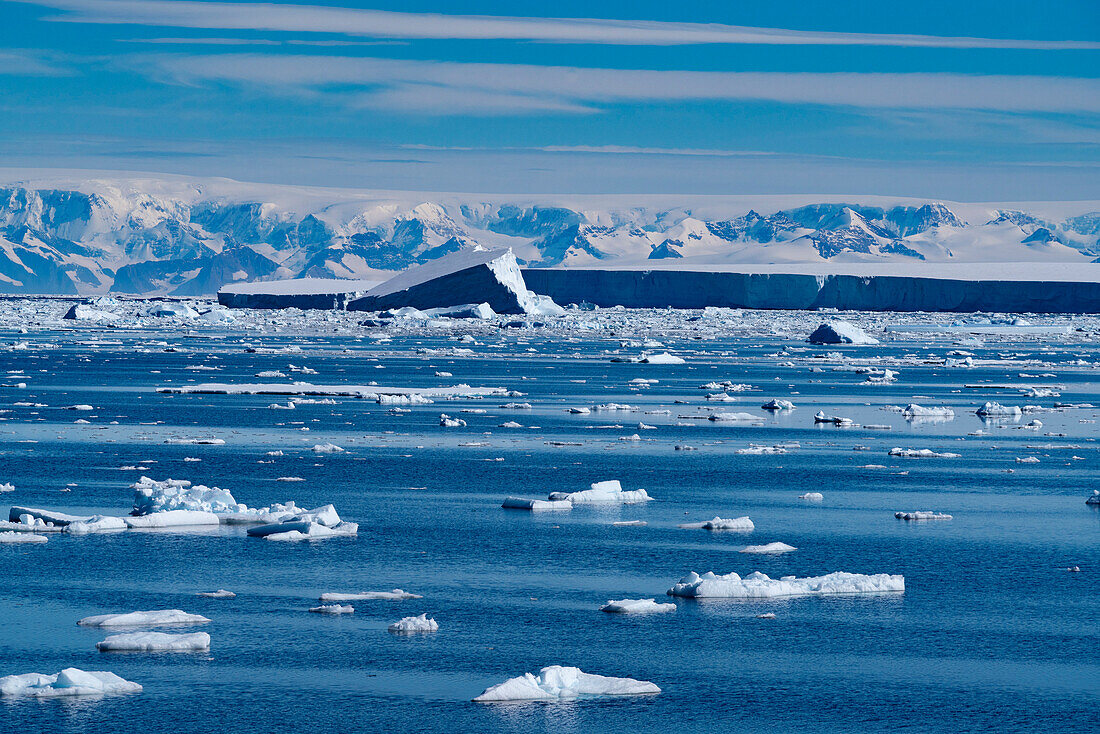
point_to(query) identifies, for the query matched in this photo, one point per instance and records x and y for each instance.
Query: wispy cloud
(388, 24)
(18, 63)
(463, 88)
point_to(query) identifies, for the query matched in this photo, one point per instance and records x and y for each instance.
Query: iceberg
(1094, 498)
(155, 642)
(470, 276)
(914, 411)
(395, 595)
(96, 524)
(557, 682)
(636, 606)
(760, 586)
(219, 594)
(84, 312)
(69, 682)
(410, 625)
(778, 405)
(735, 418)
(768, 548)
(171, 519)
(663, 358)
(996, 410)
(520, 503)
(608, 492)
(836, 420)
(812, 497)
(157, 618)
(840, 332)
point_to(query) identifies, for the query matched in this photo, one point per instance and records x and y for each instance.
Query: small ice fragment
(333, 609)
(410, 625)
(636, 606)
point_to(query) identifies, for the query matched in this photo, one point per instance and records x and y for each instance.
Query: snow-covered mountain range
(83, 233)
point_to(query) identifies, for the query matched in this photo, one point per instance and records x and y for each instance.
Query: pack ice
(760, 586)
(69, 682)
(557, 682)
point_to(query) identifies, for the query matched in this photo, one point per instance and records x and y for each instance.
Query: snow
(11, 537)
(155, 642)
(840, 332)
(69, 682)
(333, 609)
(156, 618)
(608, 492)
(557, 682)
(760, 586)
(921, 454)
(394, 595)
(409, 625)
(768, 548)
(921, 515)
(636, 606)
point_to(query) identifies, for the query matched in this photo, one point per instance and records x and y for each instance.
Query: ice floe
(219, 594)
(394, 595)
(607, 492)
(155, 642)
(69, 682)
(922, 515)
(11, 536)
(333, 609)
(557, 682)
(760, 586)
(768, 548)
(840, 332)
(521, 503)
(996, 410)
(409, 625)
(776, 404)
(636, 606)
(155, 618)
(812, 497)
(921, 454)
(743, 524)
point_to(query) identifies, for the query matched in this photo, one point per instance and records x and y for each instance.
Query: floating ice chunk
(812, 497)
(762, 450)
(83, 312)
(636, 606)
(27, 515)
(1027, 460)
(1094, 498)
(742, 524)
(219, 594)
(579, 411)
(96, 524)
(154, 642)
(921, 454)
(557, 682)
(447, 421)
(69, 682)
(840, 332)
(20, 537)
(81, 407)
(303, 530)
(395, 595)
(156, 618)
(520, 503)
(996, 410)
(775, 404)
(403, 399)
(836, 420)
(760, 586)
(410, 625)
(735, 418)
(768, 548)
(610, 491)
(180, 310)
(510, 424)
(327, 448)
(922, 515)
(663, 358)
(333, 609)
(919, 411)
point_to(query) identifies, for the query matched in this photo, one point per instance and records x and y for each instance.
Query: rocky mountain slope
(66, 233)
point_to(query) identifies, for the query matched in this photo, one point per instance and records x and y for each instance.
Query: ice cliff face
(191, 237)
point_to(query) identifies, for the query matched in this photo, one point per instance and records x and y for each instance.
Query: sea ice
(520, 503)
(333, 609)
(921, 454)
(812, 497)
(558, 682)
(155, 642)
(663, 358)
(996, 410)
(19, 537)
(395, 595)
(921, 515)
(636, 606)
(840, 332)
(156, 618)
(610, 491)
(69, 682)
(760, 586)
(414, 624)
(219, 594)
(776, 404)
(743, 524)
(768, 548)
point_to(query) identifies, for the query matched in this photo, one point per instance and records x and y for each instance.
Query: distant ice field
(992, 633)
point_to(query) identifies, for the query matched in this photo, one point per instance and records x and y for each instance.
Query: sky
(966, 101)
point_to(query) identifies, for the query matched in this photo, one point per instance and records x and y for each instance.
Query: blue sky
(967, 101)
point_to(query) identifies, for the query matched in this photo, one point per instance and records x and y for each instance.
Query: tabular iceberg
(558, 682)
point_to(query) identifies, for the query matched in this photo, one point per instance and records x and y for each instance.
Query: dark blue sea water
(991, 635)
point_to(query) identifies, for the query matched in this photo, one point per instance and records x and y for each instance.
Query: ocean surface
(992, 633)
